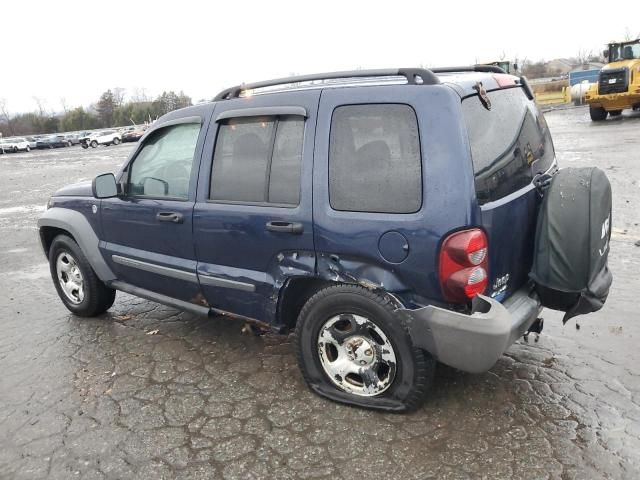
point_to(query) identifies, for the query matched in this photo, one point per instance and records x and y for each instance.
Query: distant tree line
(111, 110)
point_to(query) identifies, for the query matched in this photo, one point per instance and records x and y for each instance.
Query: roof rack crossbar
(414, 76)
(472, 68)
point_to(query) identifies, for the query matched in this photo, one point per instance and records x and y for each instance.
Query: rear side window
(257, 160)
(374, 159)
(510, 143)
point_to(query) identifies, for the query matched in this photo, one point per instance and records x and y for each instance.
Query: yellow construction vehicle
(618, 84)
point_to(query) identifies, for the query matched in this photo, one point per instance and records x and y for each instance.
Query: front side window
(257, 160)
(163, 166)
(374, 159)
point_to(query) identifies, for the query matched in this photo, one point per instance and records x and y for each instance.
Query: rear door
(510, 143)
(253, 225)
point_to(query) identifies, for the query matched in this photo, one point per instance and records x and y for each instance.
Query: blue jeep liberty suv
(387, 217)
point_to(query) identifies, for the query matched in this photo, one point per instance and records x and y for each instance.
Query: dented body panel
(472, 342)
(349, 243)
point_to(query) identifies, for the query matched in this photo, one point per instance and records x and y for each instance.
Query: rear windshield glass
(510, 143)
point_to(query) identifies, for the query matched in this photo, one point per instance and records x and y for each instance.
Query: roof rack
(472, 68)
(414, 76)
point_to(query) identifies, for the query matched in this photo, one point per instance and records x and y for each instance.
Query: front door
(148, 240)
(252, 220)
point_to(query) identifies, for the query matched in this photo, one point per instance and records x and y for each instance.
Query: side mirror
(104, 186)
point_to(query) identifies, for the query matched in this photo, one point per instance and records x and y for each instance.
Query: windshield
(623, 51)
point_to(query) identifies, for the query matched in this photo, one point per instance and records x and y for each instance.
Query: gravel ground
(101, 398)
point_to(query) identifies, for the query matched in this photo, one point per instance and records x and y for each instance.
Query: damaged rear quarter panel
(448, 197)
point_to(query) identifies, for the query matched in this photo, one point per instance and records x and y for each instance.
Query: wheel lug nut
(368, 352)
(362, 362)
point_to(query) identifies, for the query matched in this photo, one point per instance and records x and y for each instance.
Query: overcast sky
(75, 50)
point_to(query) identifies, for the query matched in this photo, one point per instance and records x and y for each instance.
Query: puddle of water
(41, 271)
(17, 250)
(22, 209)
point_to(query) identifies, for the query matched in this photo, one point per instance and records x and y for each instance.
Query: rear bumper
(472, 343)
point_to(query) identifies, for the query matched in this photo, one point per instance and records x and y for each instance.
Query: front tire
(598, 114)
(94, 144)
(78, 286)
(85, 145)
(352, 348)
(116, 141)
(28, 149)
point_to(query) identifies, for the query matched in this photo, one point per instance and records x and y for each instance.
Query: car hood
(82, 189)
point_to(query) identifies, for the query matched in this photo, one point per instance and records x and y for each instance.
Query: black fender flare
(80, 229)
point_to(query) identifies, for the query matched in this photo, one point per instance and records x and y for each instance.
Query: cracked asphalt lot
(104, 398)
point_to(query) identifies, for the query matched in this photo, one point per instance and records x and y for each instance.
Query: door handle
(173, 217)
(285, 227)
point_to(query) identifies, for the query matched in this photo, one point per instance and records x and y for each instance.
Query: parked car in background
(107, 137)
(33, 142)
(72, 138)
(52, 141)
(15, 145)
(83, 137)
(134, 135)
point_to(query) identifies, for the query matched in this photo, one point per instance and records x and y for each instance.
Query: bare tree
(629, 36)
(4, 112)
(140, 95)
(583, 56)
(41, 104)
(118, 96)
(63, 102)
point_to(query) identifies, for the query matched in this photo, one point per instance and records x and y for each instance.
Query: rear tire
(116, 141)
(94, 144)
(615, 113)
(598, 114)
(15, 149)
(78, 286)
(369, 327)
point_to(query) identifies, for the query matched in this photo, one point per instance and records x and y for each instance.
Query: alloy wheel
(356, 355)
(70, 278)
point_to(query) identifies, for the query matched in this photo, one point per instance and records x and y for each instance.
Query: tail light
(464, 258)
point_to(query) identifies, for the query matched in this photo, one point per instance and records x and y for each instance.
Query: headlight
(49, 203)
